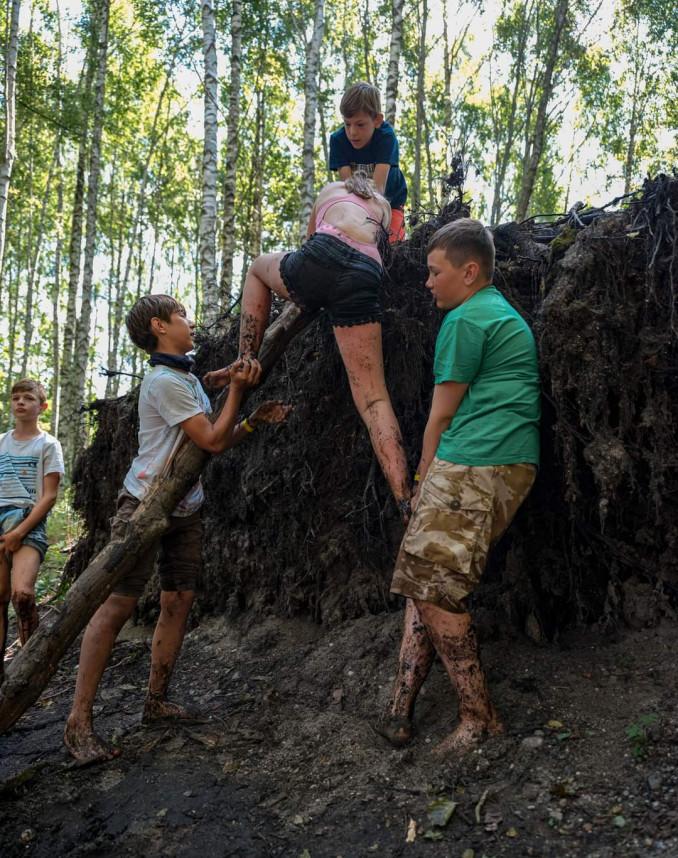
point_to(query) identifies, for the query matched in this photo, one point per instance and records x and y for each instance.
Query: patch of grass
(63, 531)
(638, 735)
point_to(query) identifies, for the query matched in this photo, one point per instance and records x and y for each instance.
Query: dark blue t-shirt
(382, 149)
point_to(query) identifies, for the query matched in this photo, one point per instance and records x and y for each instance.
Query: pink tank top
(368, 248)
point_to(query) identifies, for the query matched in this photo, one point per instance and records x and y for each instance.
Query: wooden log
(35, 664)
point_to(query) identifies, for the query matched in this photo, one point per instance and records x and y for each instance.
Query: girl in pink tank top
(339, 270)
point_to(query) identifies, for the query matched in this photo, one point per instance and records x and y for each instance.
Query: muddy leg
(455, 641)
(5, 591)
(414, 663)
(25, 566)
(97, 644)
(169, 633)
(361, 351)
(262, 278)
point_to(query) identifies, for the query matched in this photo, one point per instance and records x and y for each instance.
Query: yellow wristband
(417, 477)
(247, 426)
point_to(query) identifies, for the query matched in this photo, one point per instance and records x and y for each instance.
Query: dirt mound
(299, 519)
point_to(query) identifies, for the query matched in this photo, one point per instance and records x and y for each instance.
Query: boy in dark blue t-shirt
(367, 143)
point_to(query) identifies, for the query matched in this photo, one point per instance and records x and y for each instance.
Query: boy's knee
(113, 614)
(174, 602)
(23, 601)
(5, 595)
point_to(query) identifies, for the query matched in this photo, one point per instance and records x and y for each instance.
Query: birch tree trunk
(67, 392)
(507, 129)
(9, 153)
(421, 70)
(538, 136)
(367, 43)
(56, 293)
(72, 420)
(113, 382)
(638, 74)
(310, 110)
(228, 218)
(395, 50)
(208, 216)
(450, 55)
(35, 260)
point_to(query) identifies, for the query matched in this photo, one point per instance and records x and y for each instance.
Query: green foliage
(483, 76)
(638, 734)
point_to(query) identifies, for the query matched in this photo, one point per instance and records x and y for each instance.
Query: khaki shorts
(462, 512)
(178, 550)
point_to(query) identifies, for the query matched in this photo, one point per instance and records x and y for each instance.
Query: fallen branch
(30, 671)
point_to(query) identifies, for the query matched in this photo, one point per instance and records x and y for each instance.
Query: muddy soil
(288, 765)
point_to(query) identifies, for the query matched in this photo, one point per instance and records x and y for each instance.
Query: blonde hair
(362, 97)
(362, 186)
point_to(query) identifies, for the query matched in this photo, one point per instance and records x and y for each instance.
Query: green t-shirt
(488, 345)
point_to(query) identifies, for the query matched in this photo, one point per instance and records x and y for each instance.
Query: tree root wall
(299, 518)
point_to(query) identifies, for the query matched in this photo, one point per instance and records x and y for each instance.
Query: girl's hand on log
(218, 378)
(245, 373)
(271, 411)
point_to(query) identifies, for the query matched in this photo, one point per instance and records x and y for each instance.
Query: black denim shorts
(178, 550)
(327, 273)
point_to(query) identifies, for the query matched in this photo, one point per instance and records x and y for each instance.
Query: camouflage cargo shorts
(462, 512)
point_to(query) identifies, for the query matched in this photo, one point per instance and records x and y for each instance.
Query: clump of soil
(299, 519)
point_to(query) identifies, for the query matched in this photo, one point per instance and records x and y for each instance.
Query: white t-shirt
(23, 466)
(167, 398)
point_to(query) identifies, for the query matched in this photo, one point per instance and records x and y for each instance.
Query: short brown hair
(361, 98)
(29, 385)
(465, 239)
(148, 307)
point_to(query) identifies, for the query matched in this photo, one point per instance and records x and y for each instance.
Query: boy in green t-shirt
(479, 459)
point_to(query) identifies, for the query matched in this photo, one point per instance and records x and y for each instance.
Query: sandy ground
(288, 765)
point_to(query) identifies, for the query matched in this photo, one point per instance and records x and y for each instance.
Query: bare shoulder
(329, 190)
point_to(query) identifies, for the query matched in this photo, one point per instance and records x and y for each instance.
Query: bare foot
(395, 729)
(159, 709)
(467, 736)
(86, 747)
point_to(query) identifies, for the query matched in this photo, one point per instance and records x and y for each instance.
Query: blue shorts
(12, 516)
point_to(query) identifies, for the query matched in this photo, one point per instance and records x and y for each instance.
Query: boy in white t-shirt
(171, 404)
(31, 465)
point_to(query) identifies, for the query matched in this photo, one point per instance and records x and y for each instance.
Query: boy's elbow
(214, 446)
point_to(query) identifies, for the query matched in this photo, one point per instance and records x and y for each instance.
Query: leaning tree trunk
(395, 51)
(10, 125)
(310, 108)
(78, 366)
(228, 215)
(208, 216)
(30, 671)
(539, 134)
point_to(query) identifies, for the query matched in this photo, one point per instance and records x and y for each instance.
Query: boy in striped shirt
(31, 465)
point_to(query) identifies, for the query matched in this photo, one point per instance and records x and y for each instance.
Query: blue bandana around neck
(183, 362)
